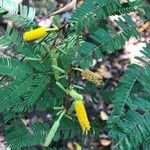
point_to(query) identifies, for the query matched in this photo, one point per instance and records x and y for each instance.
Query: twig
(3, 78)
(69, 7)
(54, 42)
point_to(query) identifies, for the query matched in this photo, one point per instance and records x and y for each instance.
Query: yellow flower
(82, 116)
(35, 34)
(94, 77)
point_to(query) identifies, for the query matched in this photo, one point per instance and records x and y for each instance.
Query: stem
(53, 130)
(63, 76)
(31, 59)
(58, 108)
(58, 69)
(78, 87)
(54, 57)
(71, 92)
(54, 42)
(61, 86)
(74, 94)
(78, 69)
(55, 28)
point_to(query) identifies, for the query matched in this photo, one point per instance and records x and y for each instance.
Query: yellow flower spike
(94, 77)
(82, 116)
(35, 34)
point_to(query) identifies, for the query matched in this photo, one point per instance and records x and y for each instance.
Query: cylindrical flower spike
(35, 34)
(94, 77)
(79, 108)
(82, 116)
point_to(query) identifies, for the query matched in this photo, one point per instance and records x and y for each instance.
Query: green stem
(58, 108)
(63, 76)
(78, 87)
(54, 57)
(78, 69)
(74, 94)
(71, 92)
(31, 59)
(61, 86)
(55, 28)
(53, 130)
(58, 69)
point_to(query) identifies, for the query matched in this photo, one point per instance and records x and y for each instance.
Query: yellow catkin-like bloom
(94, 77)
(82, 116)
(35, 34)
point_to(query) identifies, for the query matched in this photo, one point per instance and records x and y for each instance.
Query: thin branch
(54, 42)
(69, 7)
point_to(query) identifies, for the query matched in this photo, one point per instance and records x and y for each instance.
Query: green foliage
(129, 123)
(69, 132)
(50, 98)
(20, 15)
(94, 10)
(13, 68)
(106, 42)
(33, 90)
(37, 86)
(23, 137)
